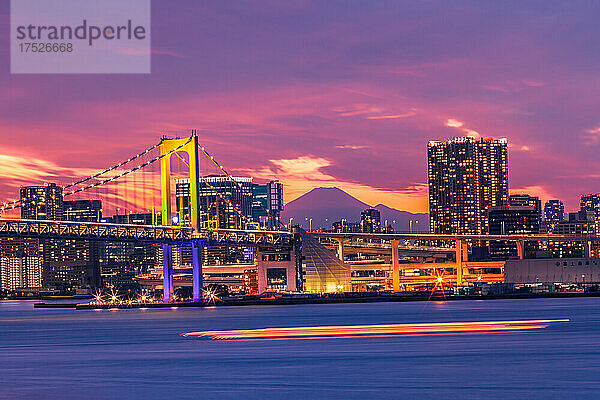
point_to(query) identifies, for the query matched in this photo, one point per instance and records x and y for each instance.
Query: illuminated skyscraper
(42, 202)
(20, 264)
(24, 261)
(554, 212)
(466, 176)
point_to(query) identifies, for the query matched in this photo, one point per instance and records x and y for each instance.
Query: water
(130, 354)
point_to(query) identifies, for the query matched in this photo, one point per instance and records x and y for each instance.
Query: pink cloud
(536, 190)
(453, 123)
(395, 116)
(351, 147)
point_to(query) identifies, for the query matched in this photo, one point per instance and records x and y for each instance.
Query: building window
(276, 278)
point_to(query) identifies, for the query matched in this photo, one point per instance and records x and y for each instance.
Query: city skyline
(327, 93)
(299, 199)
(131, 206)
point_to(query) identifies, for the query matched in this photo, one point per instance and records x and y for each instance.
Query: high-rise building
(512, 220)
(466, 176)
(82, 210)
(554, 212)
(33, 256)
(370, 221)
(120, 262)
(70, 264)
(223, 203)
(267, 204)
(42, 202)
(591, 203)
(20, 264)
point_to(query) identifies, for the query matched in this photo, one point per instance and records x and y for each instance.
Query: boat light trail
(320, 332)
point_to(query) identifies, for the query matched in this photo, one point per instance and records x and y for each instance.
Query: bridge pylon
(190, 146)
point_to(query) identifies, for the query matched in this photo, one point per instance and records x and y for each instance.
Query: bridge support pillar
(167, 253)
(459, 259)
(521, 249)
(587, 249)
(340, 251)
(197, 270)
(395, 265)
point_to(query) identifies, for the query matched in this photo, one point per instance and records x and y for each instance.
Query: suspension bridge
(147, 181)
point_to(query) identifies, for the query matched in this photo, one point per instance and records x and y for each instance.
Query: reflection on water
(389, 350)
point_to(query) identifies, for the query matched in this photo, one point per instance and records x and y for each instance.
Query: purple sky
(346, 93)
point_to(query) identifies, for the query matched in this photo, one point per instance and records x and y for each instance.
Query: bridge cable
(14, 203)
(225, 199)
(236, 182)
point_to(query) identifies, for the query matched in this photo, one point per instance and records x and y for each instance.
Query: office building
(370, 221)
(20, 264)
(267, 204)
(135, 219)
(42, 202)
(580, 223)
(554, 212)
(512, 220)
(82, 210)
(121, 261)
(525, 200)
(72, 264)
(466, 176)
(223, 203)
(591, 203)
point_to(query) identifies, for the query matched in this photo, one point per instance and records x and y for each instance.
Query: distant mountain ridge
(327, 205)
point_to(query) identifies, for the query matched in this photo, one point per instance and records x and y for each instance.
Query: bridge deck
(91, 231)
(23, 228)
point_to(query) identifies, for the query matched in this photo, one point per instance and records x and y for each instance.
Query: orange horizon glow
(321, 332)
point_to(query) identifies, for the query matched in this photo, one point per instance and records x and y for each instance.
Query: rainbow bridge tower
(168, 147)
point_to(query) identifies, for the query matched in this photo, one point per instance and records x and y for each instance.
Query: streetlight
(310, 225)
(291, 219)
